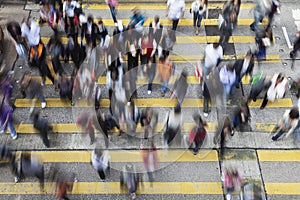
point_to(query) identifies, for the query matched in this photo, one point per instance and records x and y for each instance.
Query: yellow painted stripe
(149, 102)
(73, 128)
(283, 188)
(143, 80)
(185, 39)
(279, 156)
(128, 156)
(157, 6)
(182, 22)
(114, 188)
(265, 127)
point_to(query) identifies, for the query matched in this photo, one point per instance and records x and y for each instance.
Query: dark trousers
(265, 101)
(175, 24)
(280, 133)
(206, 105)
(101, 174)
(44, 136)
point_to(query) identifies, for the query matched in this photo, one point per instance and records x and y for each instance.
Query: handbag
(199, 72)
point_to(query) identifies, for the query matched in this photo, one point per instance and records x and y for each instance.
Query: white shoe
(14, 137)
(149, 91)
(43, 104)
(16, 179)
(205, 114)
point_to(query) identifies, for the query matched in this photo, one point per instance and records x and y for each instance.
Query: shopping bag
(199, 72)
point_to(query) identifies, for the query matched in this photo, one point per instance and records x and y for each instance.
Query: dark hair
(294, 113)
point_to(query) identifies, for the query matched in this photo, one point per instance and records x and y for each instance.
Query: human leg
(275, 137)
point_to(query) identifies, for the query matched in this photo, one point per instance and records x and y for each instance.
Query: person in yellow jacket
(165, 69)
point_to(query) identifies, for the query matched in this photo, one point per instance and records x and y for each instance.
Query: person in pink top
(112, 6)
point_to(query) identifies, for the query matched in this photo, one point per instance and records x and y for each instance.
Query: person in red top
(148, 47)
(150, 159)
(198, 133)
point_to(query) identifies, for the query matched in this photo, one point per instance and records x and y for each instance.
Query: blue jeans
(197, 19)
(227, 89)
(11, 128)
(296, 133)
(113, 13)
(165, 85)
(150, 81)
(280, 133)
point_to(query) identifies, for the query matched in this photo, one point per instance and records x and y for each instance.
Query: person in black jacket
(43, 127)
(90, 31)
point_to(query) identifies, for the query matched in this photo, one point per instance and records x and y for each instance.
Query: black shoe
(273, 138)
(261, 107)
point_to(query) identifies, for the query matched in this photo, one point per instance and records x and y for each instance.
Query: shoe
(273, 138)
(17, 179)
(261, 108)
(195, 153)
(149, 92)
(43, 104)
(162, 94)
(133, 196)
(232, 132)
(14, 137)
(72, 103)
(205, 114)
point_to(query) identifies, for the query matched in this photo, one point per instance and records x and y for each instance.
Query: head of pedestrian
(156, 19)
(230, 67)
(135, 11)
(90, 19)
(177, 109)
(216, 45)
(294, 113)
(184, 73)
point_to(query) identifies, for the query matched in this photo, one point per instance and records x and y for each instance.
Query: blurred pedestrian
(48, 14)
(232, 182)
(64, 185)
(85, 120)
(274, 9)
(198, 133)
(229, 16)
(57, 49)
(175, 11)
(90, 32)
(165, 69)
(65, 86)
(102, 32)
(180, 88)
(30, 89)
(264, 39)
(212, 57)
(259, 83)
(243, 67)
(112, 4)
(6, 107)
(42, 126)
(198, 8)
(288, 122)
(167, 43)
(150, 160)
(149, 120)
(296, 132)
(130, 179)
(276, 90)
(228, 78)
(100, 162)
(296, 47)
(261, 10)
(156, 29)
(241, 116)
(132, 116)
(222, 134)
(148, 47)
(173, 125)
(137, 20)
(68, 14)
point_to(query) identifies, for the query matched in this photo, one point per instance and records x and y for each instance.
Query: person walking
(296, 47)
(173, 125)
(112, 4)
(148, 47)
(276, 90)
(175, 11)
(100, 162)
(6, 108)
(165, 70)
(198, 8)
(85, 120)
(42, 126)
(150, 160)
(228, 78)
(243, 67)
(232, 182)
(288, 122)
(212, 57)
(30, 89)
(149, 120)
(198, 133)
(180, 88)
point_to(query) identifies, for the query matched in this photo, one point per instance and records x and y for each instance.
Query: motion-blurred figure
(130, 179)
(232, 182)
(150, 160)
(198, 133)
(180, 88)
(100, 161)
(42, 126)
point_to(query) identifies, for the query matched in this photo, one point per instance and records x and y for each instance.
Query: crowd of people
(135, 50)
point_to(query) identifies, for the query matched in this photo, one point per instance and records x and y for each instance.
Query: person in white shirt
(198, 8)
(69, 12)
(175, 11)
(31, 31)
(228, 78)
